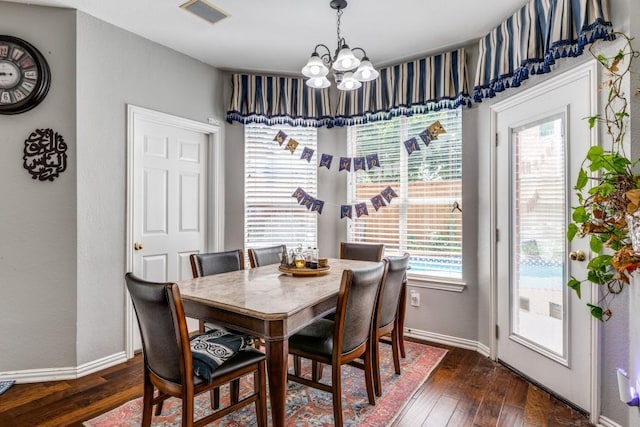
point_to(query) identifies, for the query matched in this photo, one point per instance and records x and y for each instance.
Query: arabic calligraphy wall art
(45, 154)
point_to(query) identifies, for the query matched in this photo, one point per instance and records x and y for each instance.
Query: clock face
(24, 76)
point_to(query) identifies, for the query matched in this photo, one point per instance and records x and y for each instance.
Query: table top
(265, 292)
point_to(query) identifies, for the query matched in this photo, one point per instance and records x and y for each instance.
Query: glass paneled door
(538, 223)
(543, 330)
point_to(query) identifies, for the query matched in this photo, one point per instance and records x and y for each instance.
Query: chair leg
(336, 385)
(395, 347)
(147, 401)
(296, 365)
(234, 390)
(187, 410)
(158, 410)
(400, 319)
(316, 370)
(260, 387)
(368, 375)
(375, 362)
(201, 326)
(215, 398)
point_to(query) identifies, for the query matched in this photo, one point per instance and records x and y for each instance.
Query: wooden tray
(304, 271)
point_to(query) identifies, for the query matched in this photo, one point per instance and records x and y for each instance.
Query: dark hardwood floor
(467, 389)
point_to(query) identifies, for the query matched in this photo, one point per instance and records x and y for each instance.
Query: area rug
(5, 385)
(308, 407)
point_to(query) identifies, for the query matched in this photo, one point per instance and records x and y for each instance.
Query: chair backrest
(396, 275)
(216, 262)
(266, 256)
(357, 302)
(163, 327)
(361, 251)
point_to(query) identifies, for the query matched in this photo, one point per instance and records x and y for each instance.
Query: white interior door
(544, 331)
(169, 181)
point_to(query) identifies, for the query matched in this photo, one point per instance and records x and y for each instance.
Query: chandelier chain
(339, 15)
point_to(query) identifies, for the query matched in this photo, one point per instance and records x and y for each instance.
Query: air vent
(204, 10)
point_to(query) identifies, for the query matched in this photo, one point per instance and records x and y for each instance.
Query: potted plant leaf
(607, 212)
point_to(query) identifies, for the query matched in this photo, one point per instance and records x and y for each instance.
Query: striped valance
(532, 39)
(414, 87)
(278, 100)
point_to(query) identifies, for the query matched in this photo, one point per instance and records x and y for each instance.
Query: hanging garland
(363, 163)
(346, 211)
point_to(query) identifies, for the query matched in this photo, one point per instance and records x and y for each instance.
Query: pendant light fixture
(349, 71)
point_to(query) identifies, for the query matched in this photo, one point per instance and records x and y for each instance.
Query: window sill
(439, 283)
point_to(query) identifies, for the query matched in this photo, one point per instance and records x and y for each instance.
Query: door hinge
(497, 235)
(497, 331)
(496, 139)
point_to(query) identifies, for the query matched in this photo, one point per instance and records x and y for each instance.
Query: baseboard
(448, 340)
(606, 422)
(69, 373)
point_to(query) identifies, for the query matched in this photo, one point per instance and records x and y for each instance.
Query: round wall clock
(24, 76)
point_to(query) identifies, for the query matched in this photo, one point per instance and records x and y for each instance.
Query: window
(422, 220)
(272, 174)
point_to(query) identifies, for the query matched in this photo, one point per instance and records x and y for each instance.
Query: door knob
(137, 246)
(577, 255)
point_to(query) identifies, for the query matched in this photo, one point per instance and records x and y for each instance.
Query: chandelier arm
(325, 56)
(364, 53)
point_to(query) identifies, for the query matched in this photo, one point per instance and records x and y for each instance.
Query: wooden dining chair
(211, 263)
(266, 256)
(168, 358)
(361, 251)
(389, 323)
(349, 336)
(355, 251)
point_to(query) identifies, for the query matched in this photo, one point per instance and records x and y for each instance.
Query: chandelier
(348, 70)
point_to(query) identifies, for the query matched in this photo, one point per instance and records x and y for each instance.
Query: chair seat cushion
(211, 349)
(315, 338)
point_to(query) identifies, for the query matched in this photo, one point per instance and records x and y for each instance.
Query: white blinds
(272, 174)
(422, 220)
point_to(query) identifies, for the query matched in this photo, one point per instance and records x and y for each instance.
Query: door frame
(215, 192)
(590, 70)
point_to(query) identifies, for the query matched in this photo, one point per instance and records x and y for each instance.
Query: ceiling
(277, 36)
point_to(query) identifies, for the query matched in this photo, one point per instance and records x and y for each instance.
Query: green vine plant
(614, 192)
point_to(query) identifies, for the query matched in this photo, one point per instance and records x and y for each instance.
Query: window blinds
(422, 220)
(272, 174)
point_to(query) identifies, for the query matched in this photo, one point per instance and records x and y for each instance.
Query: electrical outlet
(415, 299)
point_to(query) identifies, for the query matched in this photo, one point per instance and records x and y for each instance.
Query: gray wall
(62, 245)
(116, 68)
(37, 219)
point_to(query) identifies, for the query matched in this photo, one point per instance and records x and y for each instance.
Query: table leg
(277, 353)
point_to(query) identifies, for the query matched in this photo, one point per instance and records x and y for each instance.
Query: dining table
(271, 304)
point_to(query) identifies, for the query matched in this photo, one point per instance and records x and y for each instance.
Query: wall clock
(24, 76)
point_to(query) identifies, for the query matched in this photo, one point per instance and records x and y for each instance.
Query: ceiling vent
(204, 10)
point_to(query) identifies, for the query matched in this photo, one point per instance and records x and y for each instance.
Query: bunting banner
(307, 154)
(345, 164)
(362, 163)
(325, 161)
(280, 137)
(361, 209)
(372, 161)
(427, 135)
(346, 211)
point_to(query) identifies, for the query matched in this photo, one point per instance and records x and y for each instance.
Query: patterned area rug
(5, 385)
(308, 407)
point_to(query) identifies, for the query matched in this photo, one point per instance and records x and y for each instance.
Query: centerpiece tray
(304, 271)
